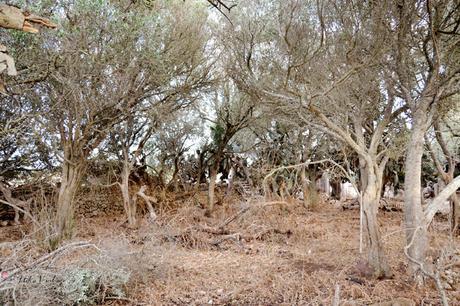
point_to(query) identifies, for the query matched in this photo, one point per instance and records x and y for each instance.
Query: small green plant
(85, 286)
(79, 286)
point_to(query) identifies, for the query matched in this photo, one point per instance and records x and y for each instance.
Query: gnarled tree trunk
(72, 172)
(371, 198)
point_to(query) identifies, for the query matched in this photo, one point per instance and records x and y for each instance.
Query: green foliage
(83, 286)
(217, 134)
(79, 286)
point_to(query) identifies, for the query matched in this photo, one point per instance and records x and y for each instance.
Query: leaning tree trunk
(72, 172)
(438, 201)
(455, 205)
(416, 232)
(371, 199)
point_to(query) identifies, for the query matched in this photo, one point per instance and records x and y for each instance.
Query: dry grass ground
(270, 255)
(277, 254)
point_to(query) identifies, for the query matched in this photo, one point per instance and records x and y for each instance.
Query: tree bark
(439, 200)
(446, 176)
(231, 177)
(305, 187)
(413, 211)
(455, 204)
(200, 170)
(212, 187)
(128, 204)
(148, 201)
(174, 182)
(72, 172)
(371, 199)
(213, 175)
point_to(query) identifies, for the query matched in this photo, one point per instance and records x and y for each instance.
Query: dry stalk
(336, 301)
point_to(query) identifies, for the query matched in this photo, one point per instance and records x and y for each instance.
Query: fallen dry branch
(261, 235)
(184, 195)
(190, 236)
(234, 217)
(235, 237)
(220, 229)
(238, 237)
(212, 230)
(8, 274)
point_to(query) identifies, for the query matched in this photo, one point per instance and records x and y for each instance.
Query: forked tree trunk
(416, 232)
(72, 172)
(148, 201)
(371, 199)
(128, 204)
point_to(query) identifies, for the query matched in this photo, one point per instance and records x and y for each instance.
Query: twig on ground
(234, 217)
(50, 256)
(239, 237)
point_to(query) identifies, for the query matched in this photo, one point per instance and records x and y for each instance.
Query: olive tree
(233, 113)
(426, 63)
(103, 69)
(322, 62)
